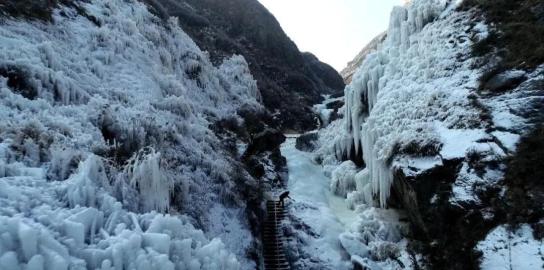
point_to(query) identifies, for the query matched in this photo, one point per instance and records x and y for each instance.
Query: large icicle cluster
(105, 122)
(411, 85)
(38, 231)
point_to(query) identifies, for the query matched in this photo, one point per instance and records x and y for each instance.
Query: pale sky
(334, 30)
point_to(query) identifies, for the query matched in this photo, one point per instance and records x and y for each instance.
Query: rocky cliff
(348, 72)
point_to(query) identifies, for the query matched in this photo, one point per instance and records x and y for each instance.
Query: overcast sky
(334, 30)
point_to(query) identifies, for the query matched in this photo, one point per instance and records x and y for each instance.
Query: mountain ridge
(290, 83)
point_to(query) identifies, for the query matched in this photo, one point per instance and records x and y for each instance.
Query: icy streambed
(326, 214)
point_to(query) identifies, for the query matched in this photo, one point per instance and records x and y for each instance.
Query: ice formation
(94, 232)
(343, 179)
(154, 186)
(104, 123)
(323, 111)
(315, 225)
(376, 241)
(363, 190)
(322, 229)
(411, 108)
(409, 86)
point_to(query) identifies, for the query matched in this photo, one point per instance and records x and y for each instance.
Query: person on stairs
(283, 196)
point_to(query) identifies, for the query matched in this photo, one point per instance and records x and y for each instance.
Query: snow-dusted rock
(507, 80)
(353, 246)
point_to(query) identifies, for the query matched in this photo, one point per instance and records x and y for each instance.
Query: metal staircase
(273, 239)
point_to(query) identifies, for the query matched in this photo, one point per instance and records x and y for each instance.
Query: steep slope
(348, 72)
(109, 157)
(431, 139)
(290, 82)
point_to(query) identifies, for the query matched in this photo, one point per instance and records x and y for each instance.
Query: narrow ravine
(326, 215)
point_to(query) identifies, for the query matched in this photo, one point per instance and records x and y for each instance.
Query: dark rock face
(415, 192)
(448, 231)
(325, 73)
(261, 133)
(263, 138)
(290, 82)
(18, 81)
(335, 107)
(267, 140)
(442, 229)
(262, 160)
(525, 195)
(516, 33)
(505, 81)
(36, 9)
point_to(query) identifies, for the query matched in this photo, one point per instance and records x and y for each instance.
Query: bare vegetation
(30, 9)
(517, 33)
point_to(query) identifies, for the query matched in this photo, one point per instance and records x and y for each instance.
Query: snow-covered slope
(290, 81)
(105, 138)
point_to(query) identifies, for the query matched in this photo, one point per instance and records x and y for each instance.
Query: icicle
(343, 179)
(154, 186)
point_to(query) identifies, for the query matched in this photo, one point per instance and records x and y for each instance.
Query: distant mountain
(290, 82)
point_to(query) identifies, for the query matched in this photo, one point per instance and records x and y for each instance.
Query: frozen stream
(326, 214)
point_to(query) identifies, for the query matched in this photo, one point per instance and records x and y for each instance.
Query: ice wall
(399, 92)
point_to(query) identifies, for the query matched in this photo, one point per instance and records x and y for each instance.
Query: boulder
(307, 142)
(267, 140)
(505, 80)
(19, 82)
(442, 227)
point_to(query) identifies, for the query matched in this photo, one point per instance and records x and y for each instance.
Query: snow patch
(511, 250)
(456, 142)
